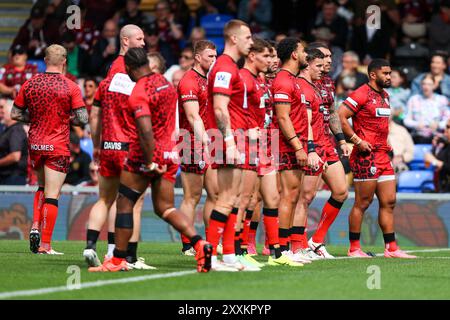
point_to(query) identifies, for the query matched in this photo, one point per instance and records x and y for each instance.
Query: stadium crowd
(414, 35)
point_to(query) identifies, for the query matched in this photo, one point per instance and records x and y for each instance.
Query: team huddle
(255, 127)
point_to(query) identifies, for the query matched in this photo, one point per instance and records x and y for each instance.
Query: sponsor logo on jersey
(383, 112)
(118, 146)
(373, 170)
(281, 96)
(222, 80)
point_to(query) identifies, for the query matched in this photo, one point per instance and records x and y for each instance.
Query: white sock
(111, 247)
(229, 258)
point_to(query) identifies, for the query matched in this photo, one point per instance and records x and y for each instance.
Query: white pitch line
(101, 283)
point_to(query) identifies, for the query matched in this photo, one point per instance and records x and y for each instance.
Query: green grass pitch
(425, 278)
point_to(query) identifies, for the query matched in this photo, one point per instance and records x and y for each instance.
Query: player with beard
(292, 120)
(150, 114)
(196, 173)
(110, 150)
(334, 176)
(368, 106)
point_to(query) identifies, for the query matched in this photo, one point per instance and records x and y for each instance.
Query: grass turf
(423, 278)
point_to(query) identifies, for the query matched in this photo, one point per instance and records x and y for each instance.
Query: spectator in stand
(13, 150)
(402, 146)
(176, 77)
(56, 12)
(427, 112)
(2, 113)
(155, 45)
(169, 30)
(79, 162)
(440, 159)
(350, 78)
(399, 94)
(93, 174)
(438, 66)
(100, 11)
(258, 15)
(132, 15)
(218, 6)
(182, 14)
(77, 57)
(370, 43)
(329, 18)
(157, 62)
(197, 33)
(90, 86)
(185, 62)
(105, 50)
(34, 37)
(414, 15)
(88, 34)
(14, 74)
(439, 28)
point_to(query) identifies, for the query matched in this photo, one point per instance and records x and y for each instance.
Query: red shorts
(55, 162)
(288, 161)
(194, 163)
(111, 163)
(136, 165)
(371, 166)
(331, 152)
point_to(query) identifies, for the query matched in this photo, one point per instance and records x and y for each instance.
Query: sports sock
(216, 229)
(389, 240)
(37, 207)
(283, 235)
(194, 242)
(118, 256)
(329, 213)
(132, 252)
(270, 219)
(229, 233)
(91, 239)
(237, 243)
(186, 243)
(246, 230)
(49, 215)
(354, 241)
(297, 238)
(111, 244)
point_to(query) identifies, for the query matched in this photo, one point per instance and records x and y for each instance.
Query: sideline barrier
(420, 219)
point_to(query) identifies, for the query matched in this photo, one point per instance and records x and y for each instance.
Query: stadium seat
(418, 162)
(87, 146)
(214, 23)
(219, 42)
(39, 63)
(416, 181)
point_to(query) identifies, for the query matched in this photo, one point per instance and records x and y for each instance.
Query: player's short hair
(318, 45)
(285, 48)
(160, 61)
(202, 45)
(93, 79)
(129, 30)
(136, 58)
(231, 27)
(259, 45)
(377, 64)
(55, 55)
(312, 54)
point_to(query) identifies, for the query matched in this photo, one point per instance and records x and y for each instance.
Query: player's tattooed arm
(221, 113)
(335, 122)
(19, 114)
(80, 117)
(145, 131)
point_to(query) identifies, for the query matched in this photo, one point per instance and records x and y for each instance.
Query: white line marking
(100, 283)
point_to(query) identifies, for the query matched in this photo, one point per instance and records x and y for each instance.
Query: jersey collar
(204, 77)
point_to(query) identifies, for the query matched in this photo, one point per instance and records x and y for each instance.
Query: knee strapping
(129, 193)
(167, 212)
(124, 220)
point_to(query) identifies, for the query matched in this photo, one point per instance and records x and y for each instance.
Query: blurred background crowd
(414, 35)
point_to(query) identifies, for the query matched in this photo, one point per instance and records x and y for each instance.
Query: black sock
(111, 238)
(132, 252)
(194, 241)
(186, 246)
(353, 236)
(275, 252)
(237, 243)
(389, 237)
(92, 237)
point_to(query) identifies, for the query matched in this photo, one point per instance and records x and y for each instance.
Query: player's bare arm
(224, 124)
(144, 125)
(313, 157)
(336, 129)
(192, 109)
(96, 128)
(19, 114)
(287, 128)
(79, 117)
(344, 114)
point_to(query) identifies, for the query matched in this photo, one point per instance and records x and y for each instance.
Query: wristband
(301, 148)
(311, 146)
(340, 136)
